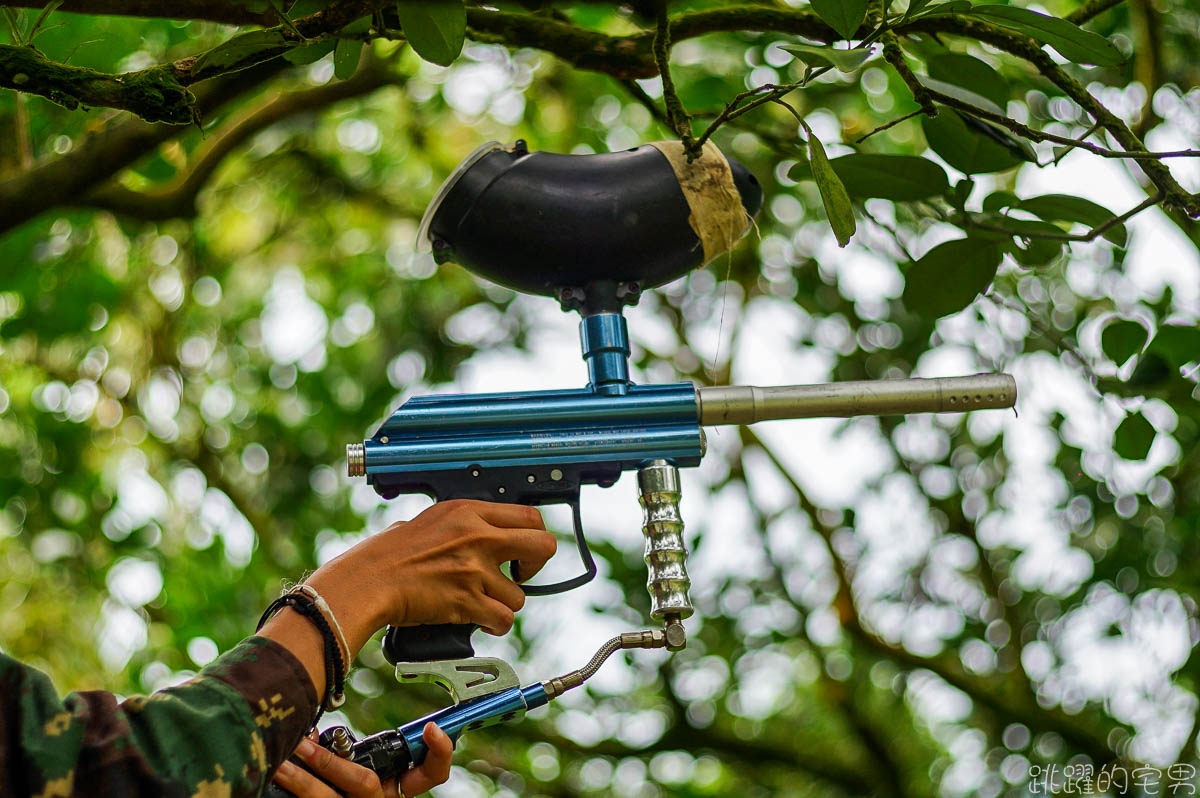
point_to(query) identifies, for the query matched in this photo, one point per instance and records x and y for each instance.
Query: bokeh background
(934, 605)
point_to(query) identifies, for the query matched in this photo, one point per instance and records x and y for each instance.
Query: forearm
(223, 730)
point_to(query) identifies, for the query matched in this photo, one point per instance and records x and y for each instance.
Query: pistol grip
(428, 643)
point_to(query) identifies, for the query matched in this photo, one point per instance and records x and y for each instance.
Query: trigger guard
(585, 557)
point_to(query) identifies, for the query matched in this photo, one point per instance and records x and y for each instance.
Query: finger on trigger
(531, 548)
(492, 616)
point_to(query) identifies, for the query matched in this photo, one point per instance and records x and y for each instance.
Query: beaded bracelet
(306, 601)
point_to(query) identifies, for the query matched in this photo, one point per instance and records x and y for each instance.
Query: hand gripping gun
(609, 226)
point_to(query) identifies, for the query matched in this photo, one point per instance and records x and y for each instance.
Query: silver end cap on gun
(356, 460)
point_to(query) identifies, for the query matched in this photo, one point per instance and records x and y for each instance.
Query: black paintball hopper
(541, 222)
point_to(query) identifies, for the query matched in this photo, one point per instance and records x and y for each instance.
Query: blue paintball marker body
(607, 227)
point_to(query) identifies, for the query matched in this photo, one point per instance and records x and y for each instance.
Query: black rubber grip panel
(426, 643)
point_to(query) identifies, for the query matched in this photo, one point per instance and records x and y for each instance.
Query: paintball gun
(593, 232)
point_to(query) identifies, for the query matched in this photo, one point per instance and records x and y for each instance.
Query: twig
(1067, 151)
(895, 56)
(1090, 9)
(1177, 197)
(1046, 331)
(888, 125)
(1040, 135)
(731, 111)
(1146, 25)
(1007, 707)
(895, 234)
(681, 123)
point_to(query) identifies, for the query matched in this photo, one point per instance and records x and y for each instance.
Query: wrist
(358, 610)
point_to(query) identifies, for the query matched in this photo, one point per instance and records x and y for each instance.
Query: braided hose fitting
(653, 638)
(666, 554)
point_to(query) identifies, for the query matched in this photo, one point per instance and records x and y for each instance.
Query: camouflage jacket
(218, 735)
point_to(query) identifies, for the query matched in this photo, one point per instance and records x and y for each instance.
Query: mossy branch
(154, 94)
(681, 123)
(178, 198)
(160, 93)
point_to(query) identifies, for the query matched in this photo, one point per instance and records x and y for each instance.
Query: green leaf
(1032, 251)
(914, 8)
(156, 168)
(1122, 339)
(1066, 208)
(1019, 147)
(311, 53)
(966, 149)
(998, 200)
(306, 8)
(899, 178)
(1133, 437)
(962, 193)
(1071, 41)
(970, 73)
(47, 10)
(434, 29)
(950, 276)
(280, 12)
(360, 25)
(1152, 371)
(844, 16)
(1179, 344)
(844, 60)
(244, 49)
(917, 9)
(833, 193)
(13, 18)
(965, 95)
(345, 58)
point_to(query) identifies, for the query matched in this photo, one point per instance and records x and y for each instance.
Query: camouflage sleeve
(218, 735)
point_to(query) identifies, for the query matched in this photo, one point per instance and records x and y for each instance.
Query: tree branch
(227, 13)
(1145, 23)
(1006, 707)
(178, 198)
(681, 123)
(895, 57)
(768, 92)
(159, 93)
(56, 180)
(1034, 134)
(154, 94)
(1024, 47)
(1090, 10)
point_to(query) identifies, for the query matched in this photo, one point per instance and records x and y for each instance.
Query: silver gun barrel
(746, 404)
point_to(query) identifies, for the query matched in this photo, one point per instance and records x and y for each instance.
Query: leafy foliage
(196, 319)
